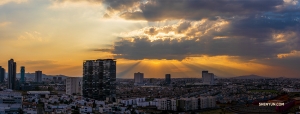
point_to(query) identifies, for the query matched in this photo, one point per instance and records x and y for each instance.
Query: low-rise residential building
(85, 109)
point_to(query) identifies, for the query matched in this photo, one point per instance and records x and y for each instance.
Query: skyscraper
(168, 78)
(38, 76)
(2, 74)
(208, 78)
(99, 79)
(203, 72)
(22, 79)
(12, 69)
(138, 78)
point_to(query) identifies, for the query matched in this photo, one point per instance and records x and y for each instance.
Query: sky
(157, 37)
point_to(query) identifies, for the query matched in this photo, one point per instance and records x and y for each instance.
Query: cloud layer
(253, 30)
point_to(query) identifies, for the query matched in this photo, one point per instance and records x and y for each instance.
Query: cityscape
(149, 57)
(99, 91)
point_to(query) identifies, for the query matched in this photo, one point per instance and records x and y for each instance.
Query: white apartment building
(85, 109)
(173, 104)
(203, 102)
(211, 101)
(105, 109)
(74, 85)
(166, 104)
(194, 103)
(162, 104)
(9, 97)
(10, 102)
(207, 102)
(132, 101)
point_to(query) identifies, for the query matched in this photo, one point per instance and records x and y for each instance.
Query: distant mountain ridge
(32, 75)
(250, 77)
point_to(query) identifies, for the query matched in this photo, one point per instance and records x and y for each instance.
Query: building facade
(99, 79)
(10, 102)
(22, 79)
(9, 97)
(208, 78)
(38, 76)
(2, 74)
(12, 69)
(74, 85)
(138, 78)
(168, 78)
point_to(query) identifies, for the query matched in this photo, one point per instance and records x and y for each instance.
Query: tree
(61, 101)
(50, 89)
(20, 111)
(94, 104)
(71, 100)
(37, 88)
(75, 112)
(66, 102)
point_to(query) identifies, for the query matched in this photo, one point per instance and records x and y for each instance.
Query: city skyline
(56, 36)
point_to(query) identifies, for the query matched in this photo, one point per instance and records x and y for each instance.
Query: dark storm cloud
(112, 5)
(289, 62)
(262, 28)
(157, 10)
(249, 38)
(143, 48)
(250, 34)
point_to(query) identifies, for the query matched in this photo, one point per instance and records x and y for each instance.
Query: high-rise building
(22, 79)
(168, 78)
(55, 79)
(204, 72)
(208, 78)
(12, 69)
(99, 79)
(73, 85)
(2, 74)
(138, 78)
(38, 76)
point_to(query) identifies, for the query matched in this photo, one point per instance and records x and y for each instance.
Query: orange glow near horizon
(190, 67)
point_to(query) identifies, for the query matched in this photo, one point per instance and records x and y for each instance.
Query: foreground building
(74, 85)
(99, 79)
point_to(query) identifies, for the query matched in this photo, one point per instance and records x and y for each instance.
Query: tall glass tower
(22, 79)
